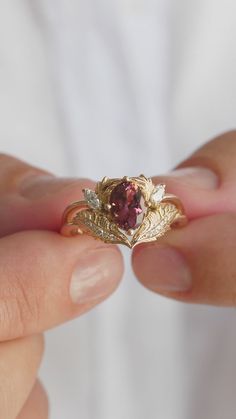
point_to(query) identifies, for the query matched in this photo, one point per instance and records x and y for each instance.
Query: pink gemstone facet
(125, 205)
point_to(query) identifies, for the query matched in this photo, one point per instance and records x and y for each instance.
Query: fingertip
(96, 275)
(41, 202)
(162, 269)
(50, 279)
(196, 187)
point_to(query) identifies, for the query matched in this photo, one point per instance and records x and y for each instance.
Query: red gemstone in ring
(125, 205)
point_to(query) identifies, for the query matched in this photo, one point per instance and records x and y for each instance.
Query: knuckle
(8, 319)
(19, 310)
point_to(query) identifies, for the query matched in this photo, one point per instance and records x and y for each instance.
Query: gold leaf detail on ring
(99, 226)
(155, 224)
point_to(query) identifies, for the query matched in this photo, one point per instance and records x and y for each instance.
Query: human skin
(45, 278)
(197, 264)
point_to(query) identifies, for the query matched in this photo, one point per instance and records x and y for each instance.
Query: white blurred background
(114, 87)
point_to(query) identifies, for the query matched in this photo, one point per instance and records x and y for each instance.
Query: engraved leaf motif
(99, 226)
(145, 184)
(155, 224)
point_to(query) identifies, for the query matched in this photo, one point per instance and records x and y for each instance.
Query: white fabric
(122, 87)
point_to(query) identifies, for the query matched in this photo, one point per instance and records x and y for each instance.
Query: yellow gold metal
(91, 216)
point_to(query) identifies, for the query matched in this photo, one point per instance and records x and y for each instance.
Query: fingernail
(200, 177)
(93, 277)
(162, 268)
(35, 186)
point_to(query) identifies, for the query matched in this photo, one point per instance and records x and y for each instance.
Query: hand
(45, 279)
(197, 264)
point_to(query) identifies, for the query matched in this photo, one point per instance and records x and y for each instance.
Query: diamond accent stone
(158, 193)
(92, 199)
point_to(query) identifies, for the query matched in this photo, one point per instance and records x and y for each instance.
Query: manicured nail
(93, 277)
(162, 268)
(200, 177)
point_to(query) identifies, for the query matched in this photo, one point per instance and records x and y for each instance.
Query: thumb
(197, 263)
(205, 182)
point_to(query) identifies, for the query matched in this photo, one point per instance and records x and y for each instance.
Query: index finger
(31, 198)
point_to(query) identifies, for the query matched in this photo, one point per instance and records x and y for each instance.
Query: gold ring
(127, 211)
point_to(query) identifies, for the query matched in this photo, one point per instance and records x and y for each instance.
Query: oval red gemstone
(125, 205)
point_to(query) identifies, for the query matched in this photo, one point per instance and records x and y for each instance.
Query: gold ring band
(127, 211)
